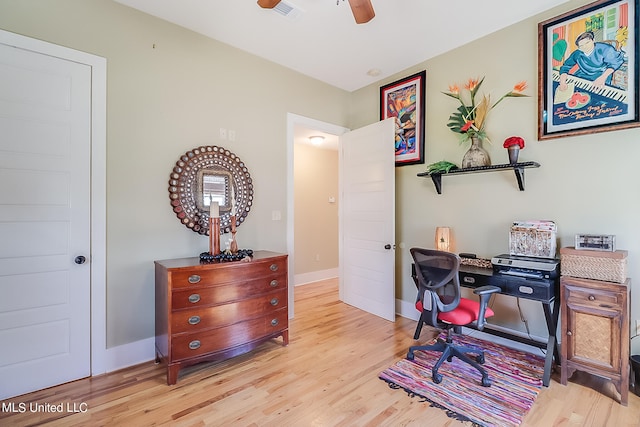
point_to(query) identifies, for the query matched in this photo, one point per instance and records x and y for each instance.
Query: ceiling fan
(362, 9)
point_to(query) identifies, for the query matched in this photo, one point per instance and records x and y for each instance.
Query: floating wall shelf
(518, 168)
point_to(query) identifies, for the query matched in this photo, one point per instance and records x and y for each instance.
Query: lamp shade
(443, 238)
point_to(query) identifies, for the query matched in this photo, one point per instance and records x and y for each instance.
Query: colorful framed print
(588, 70)
(404, 100)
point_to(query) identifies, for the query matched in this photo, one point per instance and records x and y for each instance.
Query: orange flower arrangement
(470, 118)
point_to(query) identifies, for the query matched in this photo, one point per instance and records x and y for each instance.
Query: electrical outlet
(223, 133)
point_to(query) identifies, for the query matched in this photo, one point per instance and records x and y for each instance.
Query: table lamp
(443, 238)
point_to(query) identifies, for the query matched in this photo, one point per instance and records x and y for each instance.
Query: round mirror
(205, 178)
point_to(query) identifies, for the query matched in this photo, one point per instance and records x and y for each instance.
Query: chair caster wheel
(480, 358)
(410, 356)
(437, 378)
(486, 382)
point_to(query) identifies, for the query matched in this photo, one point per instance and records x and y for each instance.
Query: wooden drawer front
(199, 297)
(595, 298)
(213, 340)
(216, 274)
(221, 315)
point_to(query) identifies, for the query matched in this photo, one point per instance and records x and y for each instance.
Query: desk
(543, 291)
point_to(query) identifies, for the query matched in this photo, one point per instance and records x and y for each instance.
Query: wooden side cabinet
(214, 311)
(595, 330)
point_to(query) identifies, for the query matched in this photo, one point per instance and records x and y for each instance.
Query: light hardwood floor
(327, 376)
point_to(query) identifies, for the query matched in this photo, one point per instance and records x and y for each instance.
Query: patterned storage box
(596, 265)
(533, 239)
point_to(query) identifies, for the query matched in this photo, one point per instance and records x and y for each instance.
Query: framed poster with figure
(404, 100)
(588, 70)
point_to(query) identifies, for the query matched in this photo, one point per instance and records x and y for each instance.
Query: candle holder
(233, 247)
(214, 235)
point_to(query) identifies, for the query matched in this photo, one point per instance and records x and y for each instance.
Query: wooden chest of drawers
(214, 311)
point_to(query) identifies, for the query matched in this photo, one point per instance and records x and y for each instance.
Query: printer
(529, 267)
(526, 277)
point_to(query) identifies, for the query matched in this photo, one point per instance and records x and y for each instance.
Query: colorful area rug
(516, 381)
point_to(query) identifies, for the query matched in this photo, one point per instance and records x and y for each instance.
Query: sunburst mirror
(207, 175)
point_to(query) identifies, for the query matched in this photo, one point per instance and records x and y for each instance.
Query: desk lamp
(443, 238)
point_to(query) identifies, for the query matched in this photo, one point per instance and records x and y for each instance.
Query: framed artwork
(404, 100)
(588, 70)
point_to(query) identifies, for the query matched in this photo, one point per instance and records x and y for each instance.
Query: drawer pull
(528, 290)
(469, 279)
(194, 298)
(273, 267)
(194, 279)
(194, 320)
(274, 322)
(194, 345)
(592, 298)
(569, 333)
(274, 301)
(273, 283)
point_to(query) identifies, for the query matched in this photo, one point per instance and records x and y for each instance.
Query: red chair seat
(465, 313)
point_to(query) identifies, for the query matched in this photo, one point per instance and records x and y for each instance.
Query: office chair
(433, 271)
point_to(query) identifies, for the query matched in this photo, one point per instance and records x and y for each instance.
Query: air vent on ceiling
(288, 10)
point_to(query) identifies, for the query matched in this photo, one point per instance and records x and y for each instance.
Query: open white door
(367, 219)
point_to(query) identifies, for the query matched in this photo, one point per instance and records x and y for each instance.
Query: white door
(367, 218)
(45, 141)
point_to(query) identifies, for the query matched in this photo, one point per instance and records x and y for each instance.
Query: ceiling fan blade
(362, 10)
(268, 4)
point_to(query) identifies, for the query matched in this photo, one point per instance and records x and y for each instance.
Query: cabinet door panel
(593, 339)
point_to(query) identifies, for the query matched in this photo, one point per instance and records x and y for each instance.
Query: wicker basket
(596, 265)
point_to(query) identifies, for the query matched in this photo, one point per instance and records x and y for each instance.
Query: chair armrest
(484, 292)
(487, 289)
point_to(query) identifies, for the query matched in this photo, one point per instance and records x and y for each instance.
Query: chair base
(449, 350)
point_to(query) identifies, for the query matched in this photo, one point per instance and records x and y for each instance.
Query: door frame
(292, 121)
(98, 67)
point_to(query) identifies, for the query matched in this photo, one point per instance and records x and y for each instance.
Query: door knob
(80, 259)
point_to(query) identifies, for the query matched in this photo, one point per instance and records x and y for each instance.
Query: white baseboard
(130, 354)
(407, 309)
(314, 276)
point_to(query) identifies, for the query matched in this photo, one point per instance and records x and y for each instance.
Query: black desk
(543, 291)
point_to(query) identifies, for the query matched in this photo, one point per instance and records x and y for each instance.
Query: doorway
(300, 125)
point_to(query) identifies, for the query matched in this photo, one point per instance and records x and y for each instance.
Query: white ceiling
(324, 41)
